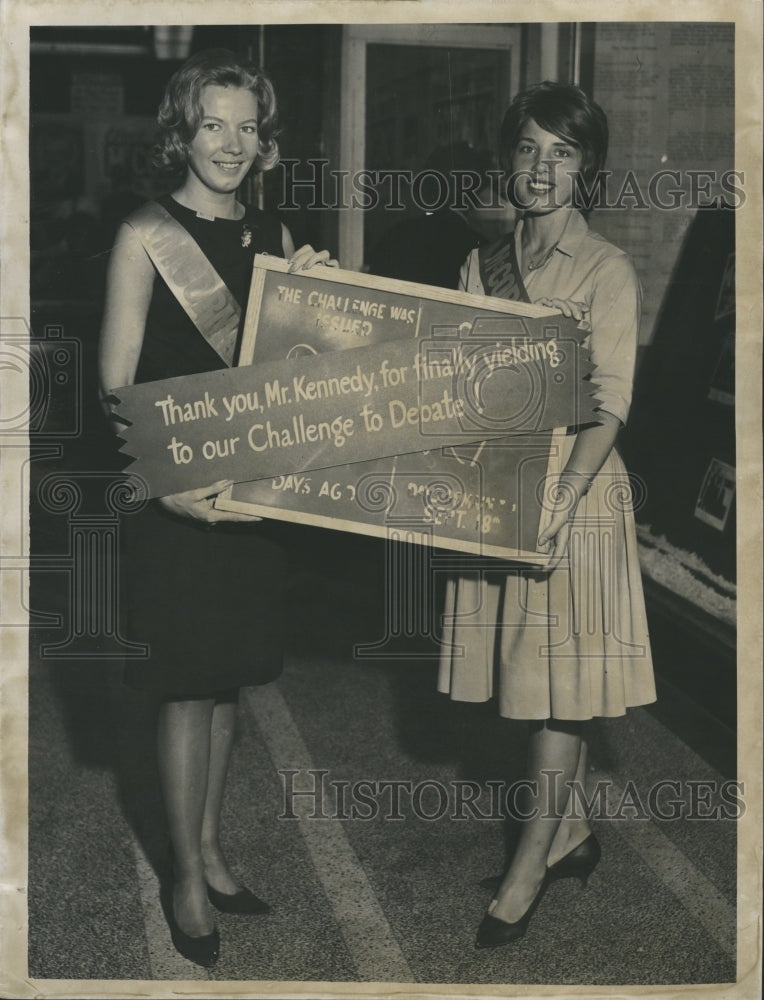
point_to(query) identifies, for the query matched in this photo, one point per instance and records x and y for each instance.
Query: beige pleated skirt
(571, 644)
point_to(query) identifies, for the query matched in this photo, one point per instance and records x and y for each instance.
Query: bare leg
(573, 829)
(553, 759)
(216, 870)
(183, 745)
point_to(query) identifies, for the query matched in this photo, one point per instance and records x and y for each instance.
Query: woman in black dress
(203, 586)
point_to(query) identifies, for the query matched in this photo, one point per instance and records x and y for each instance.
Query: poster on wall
(716, 495)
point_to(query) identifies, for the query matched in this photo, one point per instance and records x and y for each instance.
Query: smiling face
(226, 143)
(544, 169)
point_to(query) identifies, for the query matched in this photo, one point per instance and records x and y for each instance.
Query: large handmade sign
(369, 405)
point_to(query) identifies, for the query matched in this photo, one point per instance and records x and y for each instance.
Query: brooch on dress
(246, 236)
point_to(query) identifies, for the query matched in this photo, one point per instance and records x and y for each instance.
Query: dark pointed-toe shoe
(242, 901)
(578, 863)
(203, 950)
(494, 932)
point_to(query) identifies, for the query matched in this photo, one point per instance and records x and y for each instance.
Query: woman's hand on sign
(306, 257)
(199, 504)
(568, 307)
(556, 533)
(565, 497)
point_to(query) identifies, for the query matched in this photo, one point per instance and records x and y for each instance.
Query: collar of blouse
(576, 229)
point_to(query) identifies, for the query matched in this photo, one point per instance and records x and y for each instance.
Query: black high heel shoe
(494, 932)
(578, 863)
(203, 950)
(242, 901)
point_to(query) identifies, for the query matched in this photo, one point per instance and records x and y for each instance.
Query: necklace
(238, 216)
(537, 260)
(534, 264)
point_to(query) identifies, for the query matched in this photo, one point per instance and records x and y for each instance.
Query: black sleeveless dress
(207, 600)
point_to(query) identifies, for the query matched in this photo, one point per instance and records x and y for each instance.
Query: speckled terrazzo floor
(369, 899)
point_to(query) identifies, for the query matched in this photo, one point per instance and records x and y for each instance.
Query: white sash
(190, 277)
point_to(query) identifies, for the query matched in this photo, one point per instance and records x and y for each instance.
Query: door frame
(355, 38)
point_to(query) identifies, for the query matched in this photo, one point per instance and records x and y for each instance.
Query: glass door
(410, 92)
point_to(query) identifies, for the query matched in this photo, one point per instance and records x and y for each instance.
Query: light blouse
(586, 268)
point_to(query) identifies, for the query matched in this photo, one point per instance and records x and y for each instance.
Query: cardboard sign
(485, 498)
(511, 368)
(426, 370)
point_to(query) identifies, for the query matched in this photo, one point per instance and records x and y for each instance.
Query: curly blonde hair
(180, 112)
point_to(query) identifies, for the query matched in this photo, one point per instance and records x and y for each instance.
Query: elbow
(606, 416)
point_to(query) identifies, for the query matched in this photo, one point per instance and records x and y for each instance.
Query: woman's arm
(592, 446)
(306, 256)
(130, 283)
(129, 286)
(287, 243)
(614, 320)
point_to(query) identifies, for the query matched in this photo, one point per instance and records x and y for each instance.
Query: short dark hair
(180, 112)
(564, 110)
